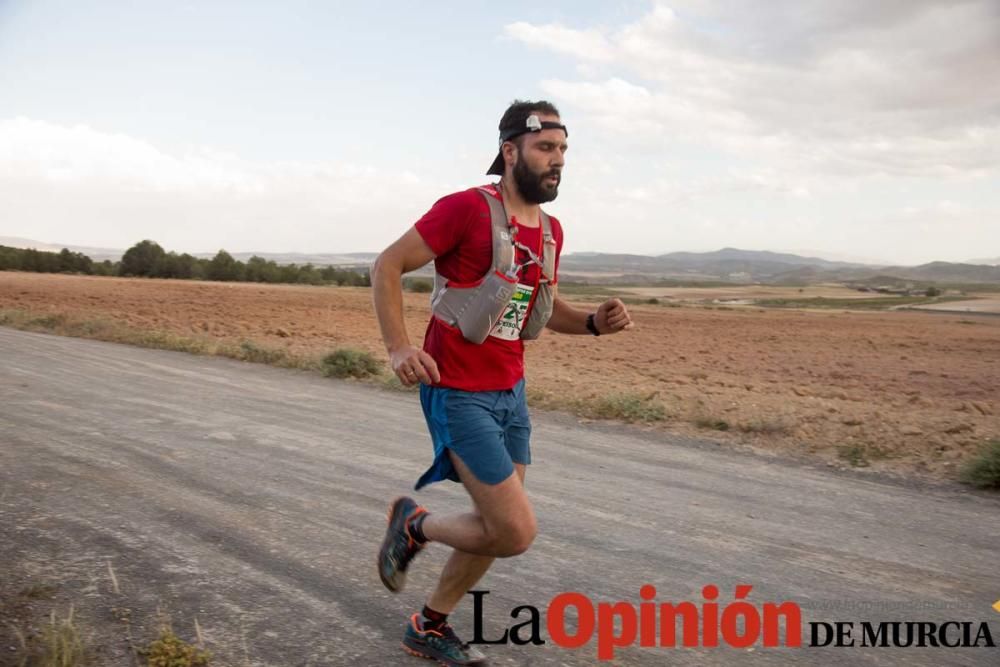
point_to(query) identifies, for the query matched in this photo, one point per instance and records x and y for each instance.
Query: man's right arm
(409, 363)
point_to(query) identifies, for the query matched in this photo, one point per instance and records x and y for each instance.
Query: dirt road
(915, 393)
(253, 498)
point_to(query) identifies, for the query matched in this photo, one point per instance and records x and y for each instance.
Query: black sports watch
(592, 325)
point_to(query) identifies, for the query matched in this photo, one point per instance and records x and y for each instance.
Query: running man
(495, 253)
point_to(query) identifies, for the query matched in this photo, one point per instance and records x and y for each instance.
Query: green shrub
(765, 425)
(983, 470)
(419, 285)
(346, 362)
(60, 645)
(854, 455)
(391, 381)
(250, 351)
(48, 322)
(712, 423)
(625, 406)
(171, 651)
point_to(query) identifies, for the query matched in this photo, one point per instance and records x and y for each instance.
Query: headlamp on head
(531, 124)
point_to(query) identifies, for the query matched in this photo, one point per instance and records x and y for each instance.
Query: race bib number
(508, 327)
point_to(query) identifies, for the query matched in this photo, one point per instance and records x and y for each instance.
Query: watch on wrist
(592, 325)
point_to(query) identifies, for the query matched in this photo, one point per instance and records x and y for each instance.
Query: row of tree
(41, 261)
(147, 258)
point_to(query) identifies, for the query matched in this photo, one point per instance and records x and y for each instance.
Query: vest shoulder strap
(503, 246)
(548, 248)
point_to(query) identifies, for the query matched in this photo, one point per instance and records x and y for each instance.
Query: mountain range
(727, 265)
(115, 254)
(753, 266)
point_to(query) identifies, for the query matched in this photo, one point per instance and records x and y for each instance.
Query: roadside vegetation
(345, 363)
(353, 357)
(418, 285)
(859, 455)
(908, 297)
(631, 407)
(168, 650)
(148, 259)
(627, 407)
(983, 470)
(40, 628)
(875, 303)
(58, 644)
(765, 426)
(340, 363)
(711, 423)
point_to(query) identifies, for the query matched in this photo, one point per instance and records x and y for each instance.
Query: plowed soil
(897, 391)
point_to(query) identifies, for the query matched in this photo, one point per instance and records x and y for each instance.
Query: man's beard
(532, 186)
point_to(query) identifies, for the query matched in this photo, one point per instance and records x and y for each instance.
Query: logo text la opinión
(618, 624)
(738, 624)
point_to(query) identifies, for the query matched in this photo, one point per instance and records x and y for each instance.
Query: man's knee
(515, 538)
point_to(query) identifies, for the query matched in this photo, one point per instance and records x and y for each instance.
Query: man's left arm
(611, 317)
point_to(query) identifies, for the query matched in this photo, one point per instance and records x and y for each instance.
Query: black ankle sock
(433, 620)
(416, 528)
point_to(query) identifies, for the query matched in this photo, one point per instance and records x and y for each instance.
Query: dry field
(749, 292)
(898, 391)
(987, 303)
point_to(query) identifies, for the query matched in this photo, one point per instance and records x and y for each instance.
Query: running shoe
(398, 548)
(442, 645)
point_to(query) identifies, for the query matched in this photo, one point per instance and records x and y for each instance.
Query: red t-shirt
(457, 229)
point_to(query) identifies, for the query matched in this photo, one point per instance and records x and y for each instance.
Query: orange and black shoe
(442, 645)
(398, 547)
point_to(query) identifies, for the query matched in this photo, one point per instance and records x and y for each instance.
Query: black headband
(531, 124)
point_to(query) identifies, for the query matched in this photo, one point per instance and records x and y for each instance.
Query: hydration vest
(477, 307)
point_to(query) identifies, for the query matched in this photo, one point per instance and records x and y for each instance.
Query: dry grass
(712, 423)
(983, 470)
(106, 330)
(765, 426)
(860, 455)
(393, 383)
(627, 407)
(345, 362)
(340, 363)
(622, 406)
(782, 379)
(63, 645)
(168, 650)
(60, 644)
(41, 637)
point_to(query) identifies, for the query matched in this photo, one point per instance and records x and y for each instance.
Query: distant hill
(726, 265)
(752, 266)
(318, 259)
(947, 272)
(115, 254)
(98, 254)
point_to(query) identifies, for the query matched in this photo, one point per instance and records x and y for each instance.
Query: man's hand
(412, 365)
(612, 317)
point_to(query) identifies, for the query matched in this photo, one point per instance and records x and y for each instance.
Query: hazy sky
(848, 128)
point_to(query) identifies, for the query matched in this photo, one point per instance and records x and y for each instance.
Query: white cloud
(806, 123)
(79, 185)
(846, 126)
(584, 44)
(898, 87)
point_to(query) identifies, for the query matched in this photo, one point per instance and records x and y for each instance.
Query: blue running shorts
(488, 430)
